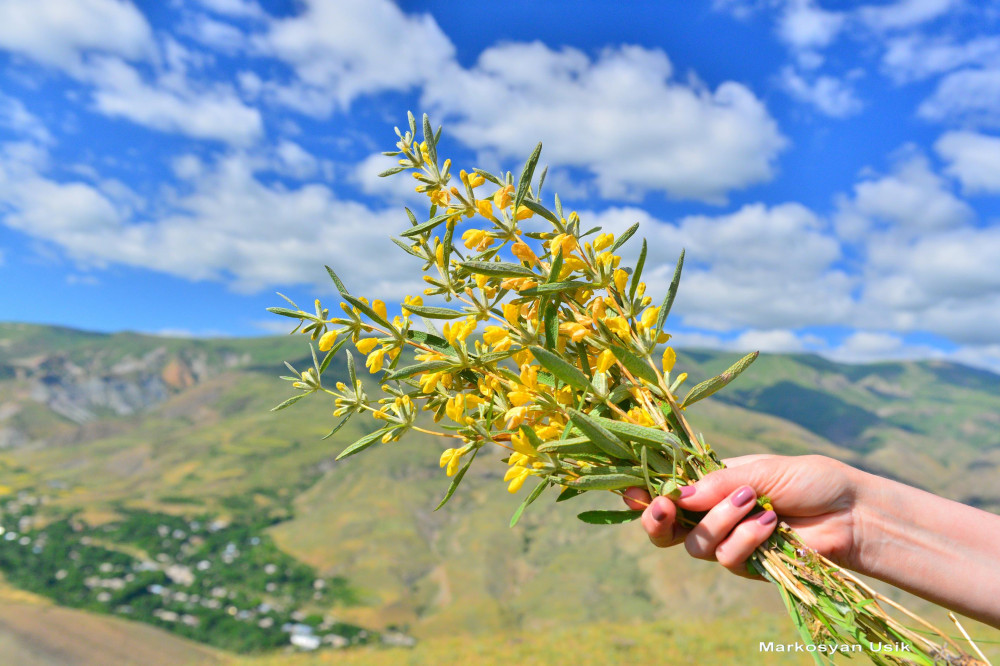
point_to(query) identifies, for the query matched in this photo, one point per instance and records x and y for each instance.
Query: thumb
(758, 474)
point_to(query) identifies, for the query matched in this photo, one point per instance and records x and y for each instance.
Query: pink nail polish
(686, 491)
(657, 512)
(743, 497)
(767, 518)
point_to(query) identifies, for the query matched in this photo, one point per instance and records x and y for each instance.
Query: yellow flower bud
(621, 278)
(484, 207)
(366, 345)
(603, 241)
(523, 213)
(503, 197)
(605, 360)
(669, 359)
(379, 308)
(648, 318)
(327, 341)
(411, 300)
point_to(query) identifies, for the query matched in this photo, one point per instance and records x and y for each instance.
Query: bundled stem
(547, 354)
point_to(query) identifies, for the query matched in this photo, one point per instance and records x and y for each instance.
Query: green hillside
(142, 449)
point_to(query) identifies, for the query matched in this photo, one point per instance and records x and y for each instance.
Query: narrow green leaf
(606, 482)
(710, 386)
(539, 209)
(424, 227)
(637, 275)
(498, 269)
(291, 401)
(634, 364)
(410, 370)
(290, 301)
(413, 123)
(568, 493)
(392, 170)
(285, 312)
(541, 181)
(411, 216)
(570, 446)
(493, 357)
(429, 138)
(624, 237)
(336, 280)
(367, 309)
(351, 372)
(333, 352)
(405, 248)
(599, 435)
(363, 443)
(668, 300)
(598, 470)
(551, 322)
(431, 340)
(553, 287)
(434, 313)
(524, 182)
(555, 268)
(528, 500)
(608, 517)
(457, 480)
(488, 176)
(569, 374)
(637, 433)
(340, 425)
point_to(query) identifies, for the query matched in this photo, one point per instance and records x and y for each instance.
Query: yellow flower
(529, 376)
(511, 312)
(473, 238)
(454, 331)
(411, 300)
(648, 319)
(366, 345)
(639, 415)
(519, 398)
(603, 241)
(605, 360)
(450, 459)
(517, 480)
(440, 197)
(485, 208)
(379, 308)
(439, 254)
(504, 197)
(515, 416)
(375, 360)
(326, 342)
(523, 213)
(598, 308)
(621, 278)
(618, 326)
(669, 359)
(524, 253)
(455, 408)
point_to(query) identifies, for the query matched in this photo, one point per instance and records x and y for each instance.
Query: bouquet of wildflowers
(552, 355)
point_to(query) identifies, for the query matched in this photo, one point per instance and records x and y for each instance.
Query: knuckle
(695, 549)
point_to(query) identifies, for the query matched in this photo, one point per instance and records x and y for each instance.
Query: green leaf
(605, 482)
(624, 237)
(637, 274)
(392, 170)
(528, 500)
(539, 209)
(429, 138)
(497, 269)
(285, 312)
(410, 370)
(351, 372)
(637, 433)
(493, 357)
(290, 301)
(568, 493)
(405, 248)
(710, 386)
(374, 316)
(608, 517)
(424, 227)
(363, 443)
(552, 287)
(291, 401)
(336, 280)
(457, 480)
(564, 371)
(524, 182)
(635, 365)
(551, 323)
(599, 435)
(333, 352)
(337, 427)
(431, 340)
(570, 446)
(541, 181)
(434, 313)
(668, 300)
(555, 268)
(488, 176)
(413, 123)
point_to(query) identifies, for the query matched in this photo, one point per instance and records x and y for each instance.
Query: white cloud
(805, 25)
(225, 225)
(173, 104)
(396, 189)
(904, 14)
(911, 200)
(218, 35)
(969, 95)
(293, 160)
(974, 159)
(15, 116)
(56, 32)
(758, 267)
(341, 49)
(830, 95)
(623, 118)
(234, 8)
(914, 57)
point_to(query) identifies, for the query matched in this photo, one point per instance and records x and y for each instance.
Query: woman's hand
(814, 495)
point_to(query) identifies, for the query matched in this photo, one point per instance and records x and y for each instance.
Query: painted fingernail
(743, 496)
(767, 518)
(657, 512)
(686, 491)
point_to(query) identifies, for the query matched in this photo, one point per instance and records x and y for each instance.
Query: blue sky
(833, 169)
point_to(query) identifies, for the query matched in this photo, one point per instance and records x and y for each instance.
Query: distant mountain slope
(101, 423)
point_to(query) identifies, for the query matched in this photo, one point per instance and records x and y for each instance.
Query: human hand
(814, 495)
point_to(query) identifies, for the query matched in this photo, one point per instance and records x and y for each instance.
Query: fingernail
(743, 496)
(767, 518)
(656, 512)
(686, 491)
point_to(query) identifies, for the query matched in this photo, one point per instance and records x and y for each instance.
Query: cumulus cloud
(971, 96)
(339, 49)
(56, 32)
(973, 158)
(904, 13)
(914, 57)
(623, 118)
(14, 116)
(830, 95)
(805, 25)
